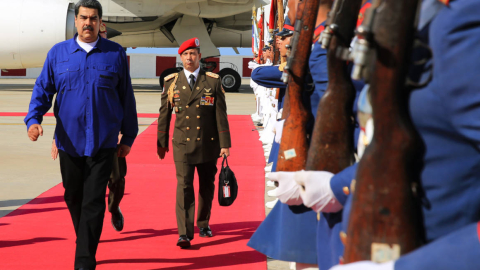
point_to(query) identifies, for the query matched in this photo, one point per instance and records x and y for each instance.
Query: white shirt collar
(195, 73)
(87, 46)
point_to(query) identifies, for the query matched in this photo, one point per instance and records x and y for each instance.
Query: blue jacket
(268, 76)
(94, 97)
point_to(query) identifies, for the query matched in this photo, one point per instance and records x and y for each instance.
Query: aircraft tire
(231, 80)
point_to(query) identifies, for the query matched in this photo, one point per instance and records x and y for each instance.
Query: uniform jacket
(201, 126)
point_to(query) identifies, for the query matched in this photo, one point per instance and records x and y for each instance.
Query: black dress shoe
(183, 241)
(206, 232)
(117, 220)
(83, 268)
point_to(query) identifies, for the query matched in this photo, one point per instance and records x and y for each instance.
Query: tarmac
(26, 168)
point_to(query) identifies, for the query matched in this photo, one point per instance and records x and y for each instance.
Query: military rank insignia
(207, 101)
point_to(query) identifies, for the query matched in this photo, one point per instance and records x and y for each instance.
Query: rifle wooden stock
(280, 22)
(280, 16)
(384, 219)
(332, 146)
(294, 138)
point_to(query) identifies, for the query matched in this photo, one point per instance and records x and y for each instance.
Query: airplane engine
(30, 28)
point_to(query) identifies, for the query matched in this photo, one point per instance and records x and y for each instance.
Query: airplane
(32, 27)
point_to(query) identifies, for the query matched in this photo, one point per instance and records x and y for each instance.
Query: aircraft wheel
(231, 80)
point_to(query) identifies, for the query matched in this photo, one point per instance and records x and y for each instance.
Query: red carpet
(40, 235)
(147, 115)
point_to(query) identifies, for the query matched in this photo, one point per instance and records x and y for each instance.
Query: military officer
(201, 135)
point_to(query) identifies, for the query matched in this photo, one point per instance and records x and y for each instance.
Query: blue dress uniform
(284, 235)
(269, 77)
(446, 114)
(318, 69)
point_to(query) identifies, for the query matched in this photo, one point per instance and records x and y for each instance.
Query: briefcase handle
(224, 160)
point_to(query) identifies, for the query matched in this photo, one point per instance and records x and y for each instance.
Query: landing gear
(231, 80)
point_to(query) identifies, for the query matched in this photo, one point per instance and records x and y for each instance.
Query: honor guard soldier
(445, 113)
(284, 234)
(201, 135)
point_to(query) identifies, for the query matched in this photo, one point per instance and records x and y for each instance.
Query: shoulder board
(169, 77)
(213, 75)
(282, 66)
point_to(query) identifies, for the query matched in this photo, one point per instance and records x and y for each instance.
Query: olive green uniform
(201, 130)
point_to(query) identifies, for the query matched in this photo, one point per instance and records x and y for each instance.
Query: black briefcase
(227, 185)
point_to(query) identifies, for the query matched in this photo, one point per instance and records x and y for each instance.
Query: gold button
(318, 216)
(343, 237)
(188, 128)
(213, 139)
(198, 116)
(188, 139)
(352, 185)
(198, 106)
(198, 127)
(198, 139)
(346, 191)
(186, 106)
(187, 117)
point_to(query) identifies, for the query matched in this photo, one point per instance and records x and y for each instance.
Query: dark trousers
(185, 206)
(116, 184)
(85, 181)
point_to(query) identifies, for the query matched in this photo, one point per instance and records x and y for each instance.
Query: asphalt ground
(26, 168)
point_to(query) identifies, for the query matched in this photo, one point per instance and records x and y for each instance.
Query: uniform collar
(101, 44)
(195, 73)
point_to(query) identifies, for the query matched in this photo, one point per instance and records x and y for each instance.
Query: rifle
(293, 148)
(332, 145)
(385, 215)
(280, 22)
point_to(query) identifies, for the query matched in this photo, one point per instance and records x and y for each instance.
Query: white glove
(278, 130)
(253, 65)
(288, 190)
(316, 192)
(366, 265)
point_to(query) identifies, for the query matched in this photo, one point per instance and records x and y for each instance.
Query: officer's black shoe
(117, 220)
(183, 241)
(83, 268)
(206, 232)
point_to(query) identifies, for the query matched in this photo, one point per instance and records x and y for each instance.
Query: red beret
(191, 43)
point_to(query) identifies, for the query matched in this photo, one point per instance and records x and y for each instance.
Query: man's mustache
(87, 27)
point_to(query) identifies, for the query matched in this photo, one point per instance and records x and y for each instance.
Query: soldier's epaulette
(282, 66)
(169, 77)
(213, 75)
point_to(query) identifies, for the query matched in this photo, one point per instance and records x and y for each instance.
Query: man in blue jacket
(95, 102)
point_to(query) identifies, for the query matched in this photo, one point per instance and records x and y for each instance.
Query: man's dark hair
(198, 49)
(89, 4)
